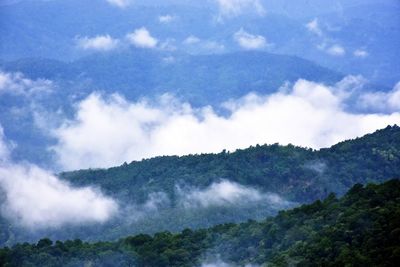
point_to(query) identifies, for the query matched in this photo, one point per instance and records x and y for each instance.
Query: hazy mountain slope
(29, 29)
(359, 229)
(299, 174)
(172, 193)
(198, 79)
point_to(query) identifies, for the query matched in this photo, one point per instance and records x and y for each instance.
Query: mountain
(297, 173)
(360, 229)
(173, 193)
(200, 80)
(30, 30)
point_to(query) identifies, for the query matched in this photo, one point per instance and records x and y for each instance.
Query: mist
(35, 198)
(306, 114)
(227, 193)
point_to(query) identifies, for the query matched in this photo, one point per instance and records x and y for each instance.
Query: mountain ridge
(361, 228)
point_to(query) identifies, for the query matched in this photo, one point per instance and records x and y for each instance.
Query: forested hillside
(195, 191)
(360, 229)
(298, 174)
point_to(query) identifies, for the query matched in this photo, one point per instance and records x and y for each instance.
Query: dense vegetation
(360, 229)
(298, 175)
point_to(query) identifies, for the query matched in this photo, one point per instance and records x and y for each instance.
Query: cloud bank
(382, 101)
(99, 43)
(142, 38)
(307, 114)
(249, 41)
(34, 198)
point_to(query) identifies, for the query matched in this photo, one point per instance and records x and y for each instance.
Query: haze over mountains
(215, 111)
(202, 54)
(174, 193)
(353, 37)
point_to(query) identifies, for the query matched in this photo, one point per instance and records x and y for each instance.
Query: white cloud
(120, 3)
(4, 147)
(35, 198)
(197, 45)
(226, 193)
(313, 26)
(142, 38)
(230, 8)
(361, 53)
(336, 50)
(166, 19)
(17, 84)
(168, 45)
(190, 40)
(309, 114)
(100, 43)
(249, 41)
(212, 46)
(382, 101)
(218, 263)
(156, 202)
(169, 60)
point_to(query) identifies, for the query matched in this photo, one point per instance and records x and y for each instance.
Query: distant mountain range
(200, 80)
(352, 37)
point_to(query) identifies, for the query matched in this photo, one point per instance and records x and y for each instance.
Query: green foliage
(360, 229)
(297, 174)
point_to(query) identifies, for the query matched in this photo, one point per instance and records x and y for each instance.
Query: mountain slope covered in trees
(173, 193)
(360, 229)
(297, 173)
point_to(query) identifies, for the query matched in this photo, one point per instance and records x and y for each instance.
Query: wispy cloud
(308, 114)
(336, 50)
(249, 41)
(166, 19)
(120, 3)
(200, 46)
(313, 26)
(17, 84)
(191, 40)
(382, 101)
(4, 147)
(99, 43)
(142, 38)
(231, 8)
(326, 44)
(361, 53)
(227, 193)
